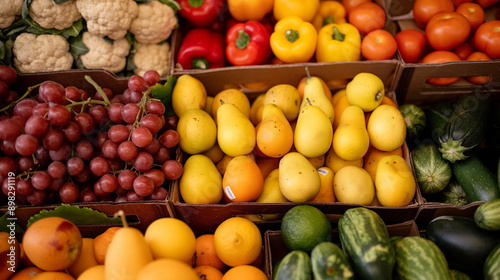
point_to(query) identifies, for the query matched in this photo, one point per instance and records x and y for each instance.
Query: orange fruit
(267, 165)
(237, 241)
(232, 96)
(244, 272)
(326, 191)
(171, 238)
(205, 255)
(85, 260)
(167, 269)
(373, 156)
(207, 272)
(10, 259)
(338, 109)
(101, 243)
(243, 180)
(52, 243)
(25, 261)
(337, 95)
(93, 273)
(26, 273)
(302, 85)
(53, 275)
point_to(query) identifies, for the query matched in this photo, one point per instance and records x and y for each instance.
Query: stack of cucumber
(453, 248)
(456, 157)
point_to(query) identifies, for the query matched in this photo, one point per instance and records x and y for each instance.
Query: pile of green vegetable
(455, 148)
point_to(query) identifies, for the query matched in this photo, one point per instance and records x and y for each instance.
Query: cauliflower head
(43, 53)
(109, 18)
(9, 9)
(103, 54)
(154, 23)
(152, 57)
(51, 15)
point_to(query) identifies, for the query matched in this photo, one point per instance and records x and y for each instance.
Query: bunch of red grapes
(67, 145)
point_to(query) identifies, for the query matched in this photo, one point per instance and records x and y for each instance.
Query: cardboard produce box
(276, 249)
(412, 86)
(430, 210)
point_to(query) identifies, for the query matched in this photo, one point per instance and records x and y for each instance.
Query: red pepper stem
(292, 35)
(196, 3)
(243, 40)
(200, 63)
(337, 35)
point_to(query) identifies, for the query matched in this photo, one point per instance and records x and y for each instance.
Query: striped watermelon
(329, 262)
(366, 242)
(487, 215)
(492, 265)
(420, 258)
(296, 265)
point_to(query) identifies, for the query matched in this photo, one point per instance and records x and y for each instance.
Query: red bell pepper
(247, 44)
(201, 48)
(200, 13)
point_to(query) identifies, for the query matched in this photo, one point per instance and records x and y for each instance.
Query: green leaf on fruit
(164, 93)
(77, 215)
(6, 224)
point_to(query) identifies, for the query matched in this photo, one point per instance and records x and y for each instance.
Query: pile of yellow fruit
(295, 144)
(54, 249)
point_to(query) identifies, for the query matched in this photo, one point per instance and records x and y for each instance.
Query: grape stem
(28, 91)
(98, 88)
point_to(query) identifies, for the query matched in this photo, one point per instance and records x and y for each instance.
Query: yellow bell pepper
(245, 10)
(294, 40)
(329, 12)
(338, 42)
(305, 9)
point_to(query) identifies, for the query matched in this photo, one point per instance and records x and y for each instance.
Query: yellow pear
(233, 96)
(235, 132)
(188, 93)
(394, 182)
(334, 162)
(313, 132)
(314, 94)
(350, 140)
(365, 90)
(197, 131)
(352, 184)
(271, 193)
(256, 109)
(287, 97)
(274, 133)
(201, 182)
(299, 180)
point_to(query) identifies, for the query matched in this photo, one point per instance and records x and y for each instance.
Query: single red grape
(99, 166)
(143, 186)
(126, 179)
(127, 151)
(143, 161)
(172, 169)
(137, 83)
(69, 193)
(170, 138)
(141, 137)
(151, 77)
(26, 144)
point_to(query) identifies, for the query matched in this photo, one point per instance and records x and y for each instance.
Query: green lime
(305, 226)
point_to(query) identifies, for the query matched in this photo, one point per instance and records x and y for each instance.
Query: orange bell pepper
(244, 10)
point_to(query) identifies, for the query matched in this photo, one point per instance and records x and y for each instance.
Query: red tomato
(423, 10)
(458, 2)
(367, 17)
(446, 31)
(411, 45)
(464, 50)
(485, 3)
(378, 45)
(349, 4)
(487, 38)
(478, 80)
(473, 13)
(441, 57)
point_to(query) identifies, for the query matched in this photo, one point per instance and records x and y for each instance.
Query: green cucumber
(366, 242)
(458, 275)
(415, 121)
(478, 182)
(432, 172)
(465, 245)
(420, 258)
(453, 194)
(492, 265)
(330, 262)
(466, 128)
(487, 215)
(436, 115)
(296, 265)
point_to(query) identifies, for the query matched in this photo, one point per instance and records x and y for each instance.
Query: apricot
(86, 259)
(101, 243)
(26, 273)
(52, 243)
(53, 275)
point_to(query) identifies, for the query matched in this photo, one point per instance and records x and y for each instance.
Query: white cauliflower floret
(43, 53)
(109, 18)
(103, 54)
(9, 9)
(152, 57)
(154, 23)
(51, 15)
